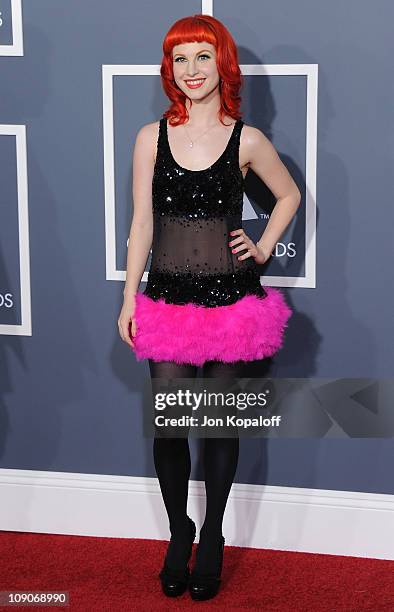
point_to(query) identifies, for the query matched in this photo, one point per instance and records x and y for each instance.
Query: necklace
(193, 141)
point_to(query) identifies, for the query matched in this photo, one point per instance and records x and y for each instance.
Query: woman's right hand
(125, 318)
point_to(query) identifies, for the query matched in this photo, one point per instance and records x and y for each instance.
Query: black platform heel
(205, 586)
(174, 582)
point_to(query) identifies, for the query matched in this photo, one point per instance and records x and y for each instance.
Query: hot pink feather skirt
(252, 328)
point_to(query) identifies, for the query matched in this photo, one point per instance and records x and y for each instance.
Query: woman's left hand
(243, 242)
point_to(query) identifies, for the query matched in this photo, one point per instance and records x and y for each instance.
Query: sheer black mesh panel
(201, 246)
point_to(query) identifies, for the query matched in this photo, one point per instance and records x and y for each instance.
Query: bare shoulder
(149, 129)
(253, 137)
(147, 137)
(254, 142)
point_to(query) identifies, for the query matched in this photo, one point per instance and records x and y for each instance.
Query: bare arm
(141, 229)
(266, 163)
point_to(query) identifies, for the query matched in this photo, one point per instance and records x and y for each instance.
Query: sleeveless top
(194, 212)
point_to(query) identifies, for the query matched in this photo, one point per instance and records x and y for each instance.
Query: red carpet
(105, 574)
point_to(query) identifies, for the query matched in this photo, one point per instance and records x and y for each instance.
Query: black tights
(173, 466)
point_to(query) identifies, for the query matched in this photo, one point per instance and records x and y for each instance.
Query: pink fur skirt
(252, 328)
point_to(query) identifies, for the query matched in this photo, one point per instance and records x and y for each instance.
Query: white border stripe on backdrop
(309, 70)
(16, 49)
(25, 327)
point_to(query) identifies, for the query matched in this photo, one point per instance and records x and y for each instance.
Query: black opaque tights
(172, 463)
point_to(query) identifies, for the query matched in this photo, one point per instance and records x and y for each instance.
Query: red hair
(199, 28)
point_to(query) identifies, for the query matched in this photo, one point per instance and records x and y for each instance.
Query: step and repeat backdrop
(78, 80)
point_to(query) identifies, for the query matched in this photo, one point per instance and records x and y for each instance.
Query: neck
(203, 113)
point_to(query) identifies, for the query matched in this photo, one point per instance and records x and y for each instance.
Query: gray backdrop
(71, 393)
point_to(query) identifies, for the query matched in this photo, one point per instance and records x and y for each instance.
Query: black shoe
(205, 586)
(174, 582)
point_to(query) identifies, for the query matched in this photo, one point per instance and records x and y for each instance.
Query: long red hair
(199, 28)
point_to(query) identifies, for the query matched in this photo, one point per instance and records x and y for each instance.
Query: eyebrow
(198, 52)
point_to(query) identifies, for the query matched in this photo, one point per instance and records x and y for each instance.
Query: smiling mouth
(194, 83)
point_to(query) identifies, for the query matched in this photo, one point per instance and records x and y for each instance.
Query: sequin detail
(194, 212)
(217, 190)
(207, 290)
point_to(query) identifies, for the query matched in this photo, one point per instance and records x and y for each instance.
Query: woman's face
(195, 70)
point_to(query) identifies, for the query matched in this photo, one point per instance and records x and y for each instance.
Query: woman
(203, 304)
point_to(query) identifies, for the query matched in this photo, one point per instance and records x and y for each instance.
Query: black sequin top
(194, 212)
